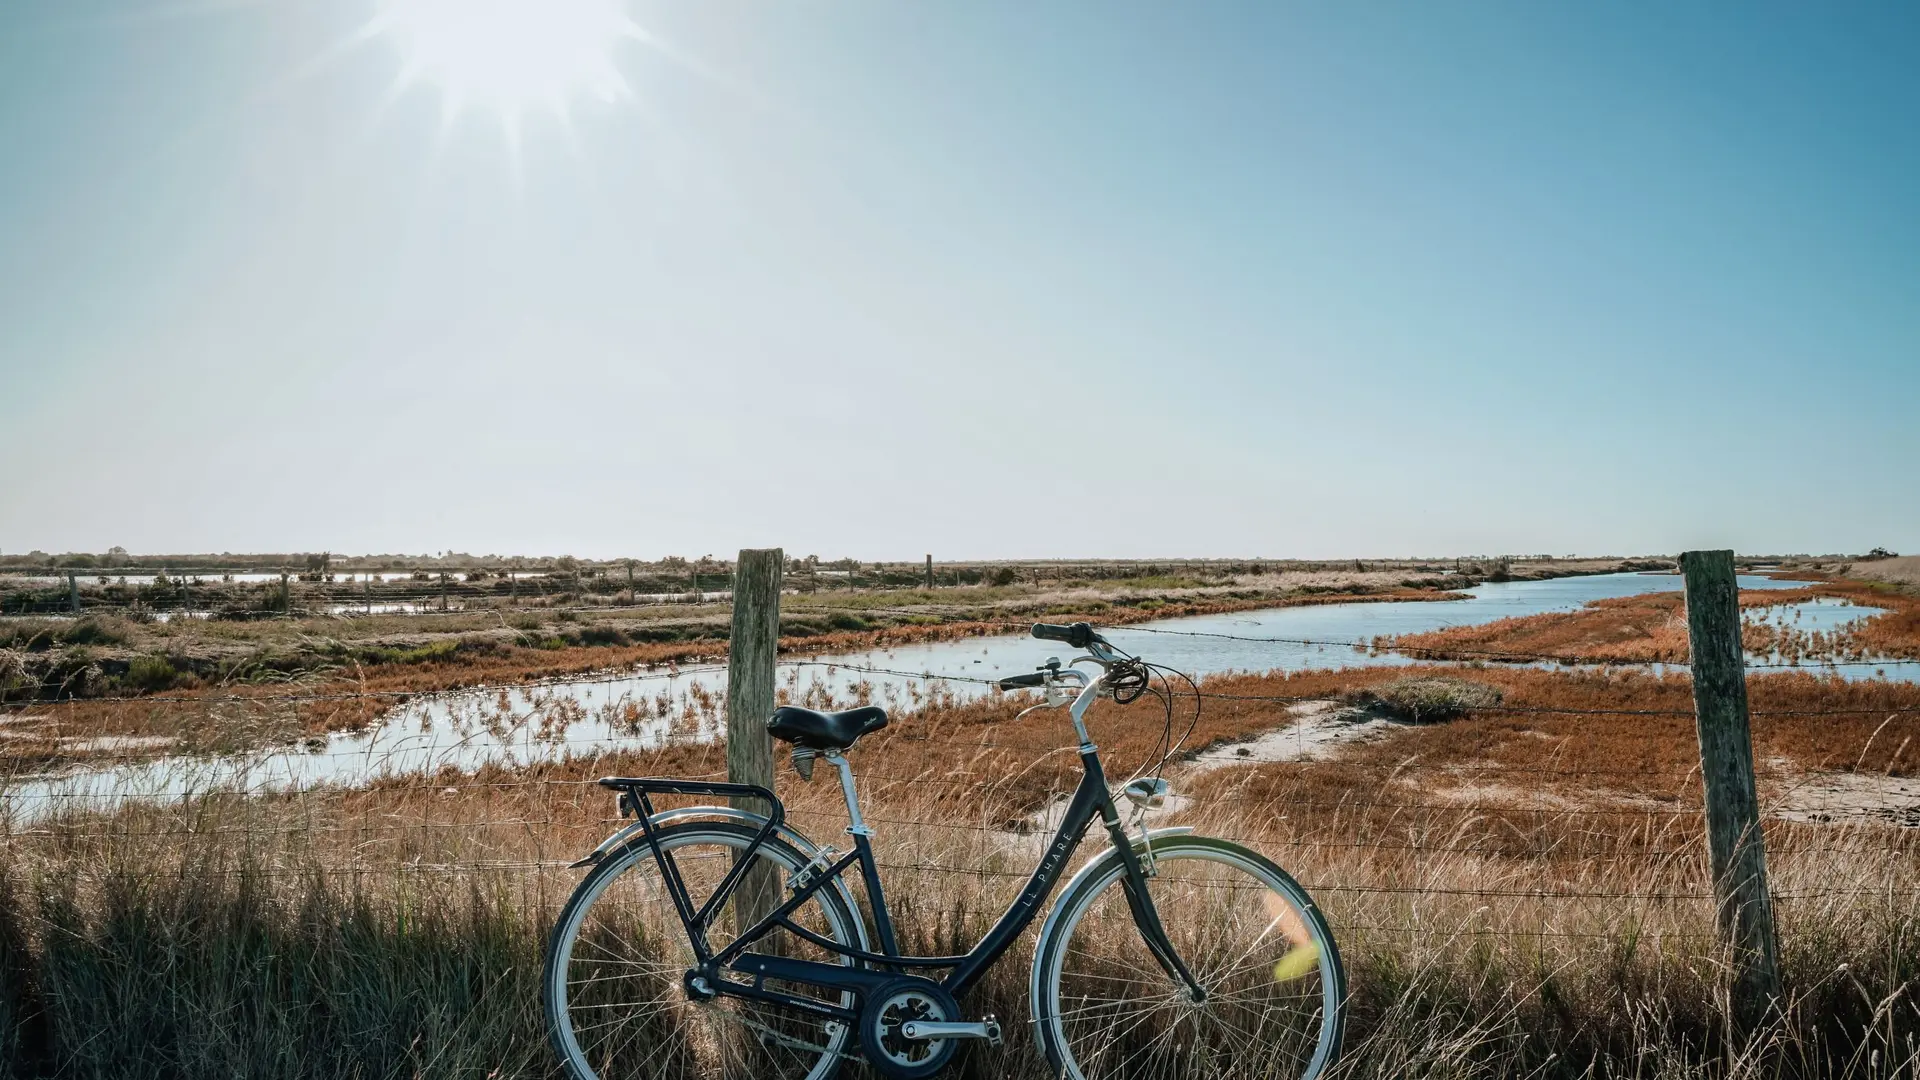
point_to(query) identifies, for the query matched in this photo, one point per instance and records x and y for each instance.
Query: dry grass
(394, 930)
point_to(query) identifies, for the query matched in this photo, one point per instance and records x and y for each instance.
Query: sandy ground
(1320, 729)
(1843, 798)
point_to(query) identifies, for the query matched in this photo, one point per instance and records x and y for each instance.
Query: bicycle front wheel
(616, 990)
(1254, 941)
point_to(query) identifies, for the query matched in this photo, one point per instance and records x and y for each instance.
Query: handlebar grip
(1079, 635)
(1021, 682)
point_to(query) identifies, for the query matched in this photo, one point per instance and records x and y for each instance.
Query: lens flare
(509, 55)
(1304, 956)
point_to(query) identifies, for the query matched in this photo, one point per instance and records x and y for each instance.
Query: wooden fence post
(286, 595)
(73, 592)
(750, 688)
(443, 592)
(1737, 849)
(929, 571)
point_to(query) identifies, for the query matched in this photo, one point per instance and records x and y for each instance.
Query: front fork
(1140, 903)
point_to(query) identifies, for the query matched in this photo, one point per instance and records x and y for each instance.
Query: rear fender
(690, 813)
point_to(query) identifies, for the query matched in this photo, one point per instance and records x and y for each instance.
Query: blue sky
(980, 279)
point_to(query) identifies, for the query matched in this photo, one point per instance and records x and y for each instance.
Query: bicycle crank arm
(988, 1029)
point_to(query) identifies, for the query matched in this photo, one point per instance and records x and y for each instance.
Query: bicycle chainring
(893, 1004)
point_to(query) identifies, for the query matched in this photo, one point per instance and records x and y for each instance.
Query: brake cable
(1127, 679)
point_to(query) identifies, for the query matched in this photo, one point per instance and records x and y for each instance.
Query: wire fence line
(372, 833)
(488, 866)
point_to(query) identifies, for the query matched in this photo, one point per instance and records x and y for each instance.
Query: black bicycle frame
(1089, 799)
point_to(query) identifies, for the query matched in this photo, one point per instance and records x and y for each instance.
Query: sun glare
(509, 55)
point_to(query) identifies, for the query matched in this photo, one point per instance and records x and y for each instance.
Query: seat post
(856, 826)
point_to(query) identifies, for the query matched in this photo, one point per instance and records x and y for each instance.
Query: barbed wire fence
(549, 842)
(1584, 849)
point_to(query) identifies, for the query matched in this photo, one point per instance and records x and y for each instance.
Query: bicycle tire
(1204, 919)
(670, 1037)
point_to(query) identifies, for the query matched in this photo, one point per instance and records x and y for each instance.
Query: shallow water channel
(521, 725)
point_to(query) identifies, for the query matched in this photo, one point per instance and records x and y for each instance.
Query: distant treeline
(674, 565)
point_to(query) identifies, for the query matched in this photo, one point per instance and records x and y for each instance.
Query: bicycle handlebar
(1079, 635)
(1021, 682)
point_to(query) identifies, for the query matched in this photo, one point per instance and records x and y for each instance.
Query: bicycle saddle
(824, 730)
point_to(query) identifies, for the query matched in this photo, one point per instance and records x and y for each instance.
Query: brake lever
(1063, 685)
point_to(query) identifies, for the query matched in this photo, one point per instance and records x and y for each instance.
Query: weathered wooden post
(929, 571)
(369, 591)
(1735, 845)
(751, 648)
(443, 591)
(73, 592)
(286, 595)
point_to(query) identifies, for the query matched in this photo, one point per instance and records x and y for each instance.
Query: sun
(509, 55)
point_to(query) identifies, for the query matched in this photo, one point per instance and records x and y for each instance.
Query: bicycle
(1230, 970)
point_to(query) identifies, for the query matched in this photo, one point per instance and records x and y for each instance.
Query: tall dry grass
(1516, 894)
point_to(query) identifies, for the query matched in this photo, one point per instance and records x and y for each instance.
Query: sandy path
(1845, 798)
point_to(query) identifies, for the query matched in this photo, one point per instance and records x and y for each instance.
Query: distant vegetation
(1428, 698)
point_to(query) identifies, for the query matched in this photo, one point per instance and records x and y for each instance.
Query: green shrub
(603, 635)
(845, 621)
(1425, 699)
(13, 672)
(36, 635)
(152, 673)
(94, 630)
(419, 654)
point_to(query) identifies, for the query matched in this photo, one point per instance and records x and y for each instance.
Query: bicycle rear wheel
(615, 991)
(1250, 935)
